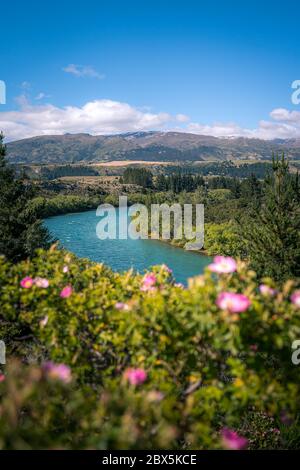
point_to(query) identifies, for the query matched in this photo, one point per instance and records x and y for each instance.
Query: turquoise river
(77, 233)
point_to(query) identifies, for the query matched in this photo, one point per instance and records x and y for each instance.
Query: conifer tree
(21, 231)
(273, 230)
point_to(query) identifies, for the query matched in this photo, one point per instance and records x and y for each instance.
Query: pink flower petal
(135, 376)
(66, 292)
(223, 265)
(231, 440)
(148, 282)
(295, 298)
(60, 372)
(26, 282)
(234, 303)
(41, 282)
(266, 290)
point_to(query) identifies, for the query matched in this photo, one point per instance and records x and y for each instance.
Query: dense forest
(67, 170)
(139, 176)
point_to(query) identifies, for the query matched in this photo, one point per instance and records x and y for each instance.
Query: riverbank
(178, 244)
(64, 204)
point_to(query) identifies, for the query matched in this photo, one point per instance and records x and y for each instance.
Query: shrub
(224, 239)
(204, 368)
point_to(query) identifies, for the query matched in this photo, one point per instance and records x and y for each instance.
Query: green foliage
(58, 171)
(21, 231)
(240, 170)
(139, 176)
(223, 239)
(178, 182)
(272, 231)
(62, 204)
(218, 195)
(206, 367)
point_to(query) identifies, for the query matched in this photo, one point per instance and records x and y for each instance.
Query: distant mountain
(148, 146)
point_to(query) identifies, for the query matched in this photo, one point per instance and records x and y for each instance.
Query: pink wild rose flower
(135, 376)
(234, 303)
(27, 282)
(60, 372)
(41, 282)
(66, 292)
(231, 440)
(223, 265)
(266, 290)
(295, 298)
(149, 282)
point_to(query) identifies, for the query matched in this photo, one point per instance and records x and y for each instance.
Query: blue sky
(207, 67)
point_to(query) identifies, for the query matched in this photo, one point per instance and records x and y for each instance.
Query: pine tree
(21, 232)
(273, 231)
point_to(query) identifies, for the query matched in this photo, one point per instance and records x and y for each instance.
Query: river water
(77, 233)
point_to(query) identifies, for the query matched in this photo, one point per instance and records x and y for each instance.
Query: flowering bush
(130, 361)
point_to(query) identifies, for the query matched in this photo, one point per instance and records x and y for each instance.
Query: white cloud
(284, 124)
(281, 114)
(95, 117)
(83, 71)
(182, 118)
(112, 117)
(218, 129)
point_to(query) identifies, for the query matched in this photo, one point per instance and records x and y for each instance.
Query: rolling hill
(148, 146)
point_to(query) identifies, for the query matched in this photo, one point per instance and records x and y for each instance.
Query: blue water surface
(77, 233)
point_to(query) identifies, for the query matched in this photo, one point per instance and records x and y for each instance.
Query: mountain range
(148, 146)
